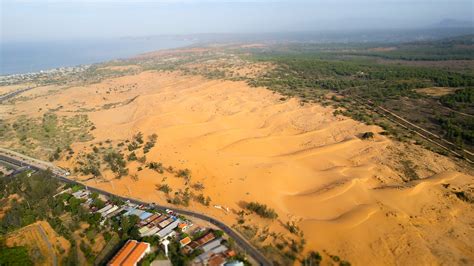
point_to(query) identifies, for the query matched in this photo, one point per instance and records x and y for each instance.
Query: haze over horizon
(44, 20)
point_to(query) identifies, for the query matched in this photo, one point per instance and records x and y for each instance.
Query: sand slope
(245, 144)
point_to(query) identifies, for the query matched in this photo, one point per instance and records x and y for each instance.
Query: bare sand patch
(436, 91)
(121, 68)
(383, 49)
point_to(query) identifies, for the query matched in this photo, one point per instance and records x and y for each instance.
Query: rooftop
(130, 253)
(185, 241)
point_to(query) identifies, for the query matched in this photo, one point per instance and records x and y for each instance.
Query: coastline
(32, 58)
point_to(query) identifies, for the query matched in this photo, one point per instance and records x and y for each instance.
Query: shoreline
(52, 57)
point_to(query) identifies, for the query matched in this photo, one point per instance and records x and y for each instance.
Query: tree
(312, 259)
(262, 210)
(164, 188)
(15, 256)
(368, 135)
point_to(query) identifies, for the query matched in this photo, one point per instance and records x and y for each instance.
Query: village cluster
(42, 74)
(210, 245)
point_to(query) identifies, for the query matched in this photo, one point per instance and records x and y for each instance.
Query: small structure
(145, 215)
(81, 194)
(183, 226)
(214, 256)
(165, 244)
(130, 254)
(234, 263)
(212, 244)
(164, 223)
(134, 211)
(109, 211)
(151, 232)
(201, 241)
(185, 241)
(169, 228)
(106, 208)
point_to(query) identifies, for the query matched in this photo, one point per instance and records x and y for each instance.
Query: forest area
(354, 72)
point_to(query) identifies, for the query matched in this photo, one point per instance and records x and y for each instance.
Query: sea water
(26, 57)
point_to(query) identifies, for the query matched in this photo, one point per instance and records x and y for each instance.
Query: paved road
(13, 94)
(251, 251)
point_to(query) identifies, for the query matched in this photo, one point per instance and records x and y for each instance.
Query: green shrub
(262, 210)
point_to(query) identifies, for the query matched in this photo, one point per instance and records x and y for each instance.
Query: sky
(33, 20)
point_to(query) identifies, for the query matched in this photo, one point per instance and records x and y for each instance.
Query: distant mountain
(454, 23)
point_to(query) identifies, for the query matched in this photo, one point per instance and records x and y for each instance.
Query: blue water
(24, 57)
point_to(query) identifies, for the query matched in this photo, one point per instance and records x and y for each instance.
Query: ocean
(25, 57)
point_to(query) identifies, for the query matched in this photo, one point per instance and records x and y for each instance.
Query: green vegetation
(352, 72)
(262, 210)
(164, 188)
(446, 49)
(156, 166)
(14, 256)
(313, 258)
(368, 135)
(46, 137)
(407, 169)
(206, 201)
(198, 186)
(36, 202)
(186, 174)
(89, 164)
(151, 143)
(132, 156)
(116, 163)
(461, 99)
(304, 74)
(293, 228)
(177, 257)
(181, 197)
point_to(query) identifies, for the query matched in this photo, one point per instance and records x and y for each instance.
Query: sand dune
(245, 144)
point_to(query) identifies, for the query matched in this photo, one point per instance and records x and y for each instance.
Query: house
(216, 260)
(171, 234)
(142, 231)
(212, 244)
(164, 223)
(204, 258)
(168, 229)
(183, 226)
(81, 194)
(106, 208)
(107, 212)
(159, 219)
(149, 219)
(145, 215)
(130, 254)
(112, 214)
(152, 231)
(201, 241)
(133, 211)
(185, 241)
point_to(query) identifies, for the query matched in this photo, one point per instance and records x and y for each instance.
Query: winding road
(240, 240)
(12, 94)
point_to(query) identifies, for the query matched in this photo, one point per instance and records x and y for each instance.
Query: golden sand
(245, 144)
